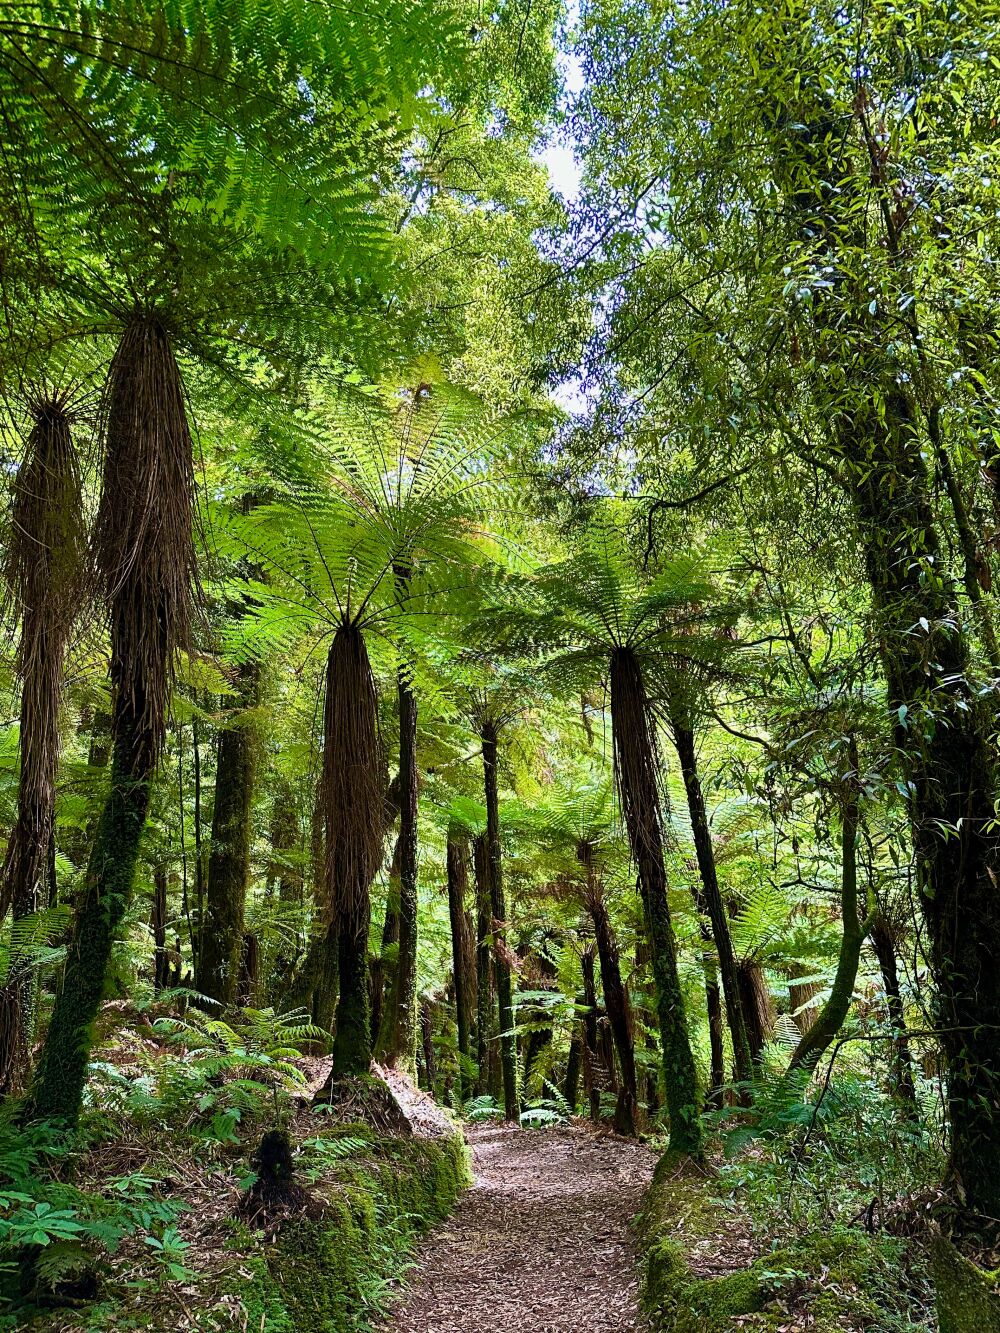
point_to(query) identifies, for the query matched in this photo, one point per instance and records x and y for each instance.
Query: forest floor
(542, 1241)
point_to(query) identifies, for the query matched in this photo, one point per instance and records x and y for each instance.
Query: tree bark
(229, 855)
(638, 780)
(501, 958)
(884, 944)
(617, 1005)
(687, 754)
(397, 1038)
(487, 1049)
(458, 881)
(62, 1069)
(161, 956)
(823, 1032)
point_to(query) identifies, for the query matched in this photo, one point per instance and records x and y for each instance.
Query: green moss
(329, 1275)
(840, 1277)
(968, 1299)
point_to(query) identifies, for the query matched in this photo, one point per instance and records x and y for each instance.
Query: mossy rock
(968, 1298)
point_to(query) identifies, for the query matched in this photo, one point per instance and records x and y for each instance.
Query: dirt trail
(541, 1242)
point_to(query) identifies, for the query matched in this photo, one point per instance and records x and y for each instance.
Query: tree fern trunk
(110, 872)
(354, 790)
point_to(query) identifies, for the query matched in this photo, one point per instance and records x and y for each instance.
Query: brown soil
(540, 1244)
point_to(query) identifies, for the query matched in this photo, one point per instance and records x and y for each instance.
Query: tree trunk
(883, 942)
(43, 567)
(110, 872)
(619, 1011)
(571, 1087)
(823, 1032)
(501, 956)
(590, 1053)
(397, 1038)
(161, 956)
(687, 754)
(944, 726)
(713, 1005)
(758, 1007)
(458, 881)
(146, 560)
(427, 1041)
(638, 780)
(487, 1049)
(354, 786)
(229, 857)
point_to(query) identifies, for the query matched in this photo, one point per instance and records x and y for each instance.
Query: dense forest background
(546, 646)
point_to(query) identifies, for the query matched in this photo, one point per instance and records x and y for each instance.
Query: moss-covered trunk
(638, 779)
(457, 854)
(830, 1020)
(501, 954)
(944, 724)
(712, 894)
(397, 1037)
(229, 854)
(107, 890)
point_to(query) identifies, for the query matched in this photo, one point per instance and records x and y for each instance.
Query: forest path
(540, 1244)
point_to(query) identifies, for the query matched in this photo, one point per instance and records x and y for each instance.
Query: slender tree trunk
(571, 1087)
(508, 1047)
(717, 1048)
(458, 881)
(590, 1052)
(823, 1032)
(229, 858)
(804, 1014)
(161, 956)
(883, 942)
(427, 1042)
(487, 1049)
(283, 870)
(616, 1003)
(638, 780)
(199, 849)
(397, 1038)
(381, 967)
(687, 754)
